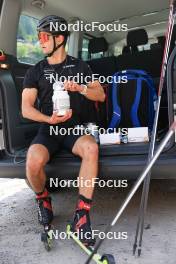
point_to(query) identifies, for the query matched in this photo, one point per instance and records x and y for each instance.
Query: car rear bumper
(128, 167)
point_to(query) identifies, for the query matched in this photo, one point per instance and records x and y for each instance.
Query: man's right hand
(54, 119)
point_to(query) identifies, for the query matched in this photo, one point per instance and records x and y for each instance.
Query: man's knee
(34, 163)
(90, 150)
(36, 159)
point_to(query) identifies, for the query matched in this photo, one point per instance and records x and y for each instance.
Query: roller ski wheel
(46, 238)
(105, 259)
(108, 259)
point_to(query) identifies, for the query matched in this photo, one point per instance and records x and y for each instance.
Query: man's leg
(37, 157)
(87, 149)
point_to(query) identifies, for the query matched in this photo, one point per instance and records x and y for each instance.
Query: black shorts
(54, 143)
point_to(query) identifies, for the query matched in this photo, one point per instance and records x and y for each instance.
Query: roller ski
(81, 232)
(88, 249)
(45, 217)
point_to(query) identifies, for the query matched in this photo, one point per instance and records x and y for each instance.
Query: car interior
(141, 47)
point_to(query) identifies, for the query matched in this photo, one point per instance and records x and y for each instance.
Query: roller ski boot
(80, 228)
(80, 231)
(45, 217)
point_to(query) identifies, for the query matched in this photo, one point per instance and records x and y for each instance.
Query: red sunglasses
(43, 37)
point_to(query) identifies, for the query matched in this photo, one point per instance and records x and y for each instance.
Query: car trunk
(18, 132)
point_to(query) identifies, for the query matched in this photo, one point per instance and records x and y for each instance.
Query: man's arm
(29, 97)
(94, 90)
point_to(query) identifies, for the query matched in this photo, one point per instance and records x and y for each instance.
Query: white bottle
(60, 98)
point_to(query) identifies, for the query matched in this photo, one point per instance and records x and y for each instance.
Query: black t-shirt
(43, 75)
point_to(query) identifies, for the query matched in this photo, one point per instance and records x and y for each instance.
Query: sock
(84, 204)
(42, 194)
(82, 217)
(46, 203)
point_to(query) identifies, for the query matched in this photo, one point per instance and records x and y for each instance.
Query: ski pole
(146, 185)
(135, 187)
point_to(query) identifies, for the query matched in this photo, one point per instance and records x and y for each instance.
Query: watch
(84, 92)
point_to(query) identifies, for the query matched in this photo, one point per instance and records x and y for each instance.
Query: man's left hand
(72, 86)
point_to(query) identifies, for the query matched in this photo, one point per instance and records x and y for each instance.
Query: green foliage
(27, 28)
(22, 50)
(28, 53)
(28, 50)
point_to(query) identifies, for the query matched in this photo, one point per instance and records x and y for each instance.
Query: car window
(85, 53)
(28, 50)
(97, 55)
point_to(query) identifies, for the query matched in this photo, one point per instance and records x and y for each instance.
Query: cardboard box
(107, 139)
(138, 134)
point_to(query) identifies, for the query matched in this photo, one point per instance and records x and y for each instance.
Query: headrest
(97, 45)
(134, 49)
(137, 37)
(126, 50)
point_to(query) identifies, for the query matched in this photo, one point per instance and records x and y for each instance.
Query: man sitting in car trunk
(44, 145)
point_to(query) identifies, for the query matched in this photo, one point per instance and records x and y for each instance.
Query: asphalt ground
(20, 232)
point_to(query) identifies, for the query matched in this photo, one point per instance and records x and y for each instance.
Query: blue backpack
(133, 102)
